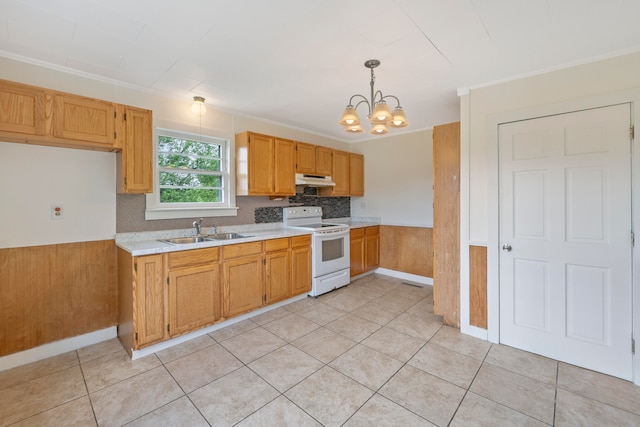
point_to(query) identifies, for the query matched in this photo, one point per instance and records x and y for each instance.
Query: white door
(565, 233)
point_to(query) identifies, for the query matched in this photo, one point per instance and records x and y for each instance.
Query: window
(191, 176)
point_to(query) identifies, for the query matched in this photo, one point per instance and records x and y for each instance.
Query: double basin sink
(200, 239)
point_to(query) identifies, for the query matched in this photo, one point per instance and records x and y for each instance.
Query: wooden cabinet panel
(371, 248)
(323, 160)
(356, 174)
(83, 119)
(243, 284)
(284, 176)
(446, 222)
(261, 165)
(277, 276)
(22, 108)
(241, 249)
(194, 297)
(136, 163)
(301, 268)
(306, 158)
(193, 257)
(340, 173)
(148, 313)
(357, 251)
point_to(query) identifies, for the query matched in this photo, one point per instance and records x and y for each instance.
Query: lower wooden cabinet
(301, 274)
(277, 284)
(242, 285)
(365, 249)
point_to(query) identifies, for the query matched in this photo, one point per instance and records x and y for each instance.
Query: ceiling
(298, 62)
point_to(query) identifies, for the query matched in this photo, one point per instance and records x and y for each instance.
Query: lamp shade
(354, 128)
(379, 129)
(198, 107)
(398, 120)
(350, 117)
(381, 113)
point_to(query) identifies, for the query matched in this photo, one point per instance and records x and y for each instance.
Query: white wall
(398, 185)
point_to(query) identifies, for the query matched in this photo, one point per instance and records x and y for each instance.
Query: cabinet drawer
(197, 256)
(276, 244)
(357, 232)
(301, 241)
(372, 231)
(242, 249)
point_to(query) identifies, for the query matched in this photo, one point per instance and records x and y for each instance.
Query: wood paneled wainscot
(407, 249)
(478, 286)
(52, 292)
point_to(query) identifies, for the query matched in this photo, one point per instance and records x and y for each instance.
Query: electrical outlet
(57, 211)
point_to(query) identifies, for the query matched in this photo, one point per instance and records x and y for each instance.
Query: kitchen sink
(226, 236)
(186, 240)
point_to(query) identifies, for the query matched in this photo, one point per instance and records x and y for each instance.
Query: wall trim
(55, 348)
(423, 280)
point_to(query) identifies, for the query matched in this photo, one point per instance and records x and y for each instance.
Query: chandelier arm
(390, 96)
(363, 99)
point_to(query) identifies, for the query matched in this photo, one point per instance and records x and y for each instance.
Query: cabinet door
(357, 251)
(356, 174)
(261, 165)
(284, 175)
(300, 269)
(22, 109)
(306, 158)
(148, 313)
(340, 173)
(194, 297)
(243, 285)
(137, 152)
(277, 281)
(371, 248)
(323, 160)
(83, 119)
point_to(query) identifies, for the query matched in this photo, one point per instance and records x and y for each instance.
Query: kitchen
(94, 212)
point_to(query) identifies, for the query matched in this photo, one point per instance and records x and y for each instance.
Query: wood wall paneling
(407, 249)
(53, 292)
(446, 222)
(478, 286)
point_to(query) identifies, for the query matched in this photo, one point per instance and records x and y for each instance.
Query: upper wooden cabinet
(356, 174)
(313, 159)
(135, 138)
(339, 174)
(265, 165)
(83, 119)
(22, 109)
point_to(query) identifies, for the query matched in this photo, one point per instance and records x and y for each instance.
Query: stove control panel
(302, 212)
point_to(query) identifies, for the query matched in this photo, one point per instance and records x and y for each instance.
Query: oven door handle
(337, 233)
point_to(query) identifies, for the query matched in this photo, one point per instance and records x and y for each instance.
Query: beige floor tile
(100, 349)
(180, 412)
(342, 301)
(321, 313)
(233, 397)
(353, 327)
(400, 346)
(480, 412)
(187, 347)
(40, 394)
(395, 302)
(524, 394)
(415, 326)
(430, 397)
(253, 344)
(324, 344)
(422, 308)
(302, 304)
(376, 312)
(362, 293)
(41, 368)
(271, 315)
(233, 330)
(575, 410)
(200, 368)
(452, 339)
(381, 412)
(329, 396)
(285, 367)
(449, 365)
(115, 367)
(603, 388)
(524, 363)
(291, 327)
(413, 293)
(367, 366)
(279, 412)
(77, 413)
(130, 399)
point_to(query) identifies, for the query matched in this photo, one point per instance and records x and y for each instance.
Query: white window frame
(156, 210)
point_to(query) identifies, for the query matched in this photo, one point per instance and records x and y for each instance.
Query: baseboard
(55, 348)
(423, 280)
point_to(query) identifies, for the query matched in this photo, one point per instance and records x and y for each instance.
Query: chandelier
(379, 114)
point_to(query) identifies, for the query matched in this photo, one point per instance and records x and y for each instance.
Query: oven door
(330, 251)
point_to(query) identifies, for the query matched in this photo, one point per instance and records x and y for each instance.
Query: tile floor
(370, 354)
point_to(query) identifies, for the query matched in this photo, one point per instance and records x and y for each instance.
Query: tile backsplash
(332, 207)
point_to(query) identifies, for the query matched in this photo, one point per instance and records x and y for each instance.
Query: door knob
(506, 247)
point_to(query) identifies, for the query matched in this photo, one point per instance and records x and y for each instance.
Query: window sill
(189, 213)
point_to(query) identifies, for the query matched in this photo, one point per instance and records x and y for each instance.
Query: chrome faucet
(197, 224)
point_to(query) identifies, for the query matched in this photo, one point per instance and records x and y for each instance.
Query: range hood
(314, 180)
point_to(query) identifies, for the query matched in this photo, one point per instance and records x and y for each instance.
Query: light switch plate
(57, 211)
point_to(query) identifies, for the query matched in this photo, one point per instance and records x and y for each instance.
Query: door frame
(493, 226)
